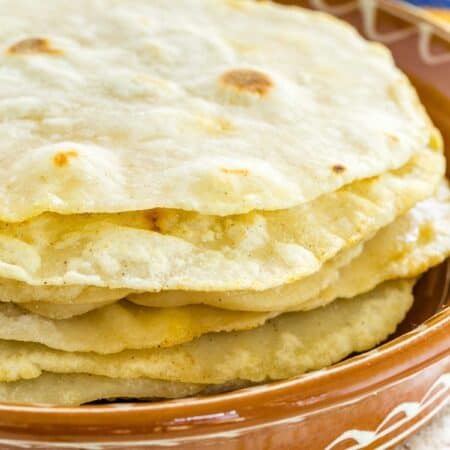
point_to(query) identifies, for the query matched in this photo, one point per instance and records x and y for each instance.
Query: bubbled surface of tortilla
(112, 106)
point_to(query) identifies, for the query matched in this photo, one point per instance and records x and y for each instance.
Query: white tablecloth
(434, 436)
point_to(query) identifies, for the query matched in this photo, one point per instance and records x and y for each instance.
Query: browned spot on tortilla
(223, 125)
(426, 233)
(435, 141)
(33, 46)
(235, 4)
(61, 159)
(153, 216)
(247, 80)
(216, 125)
(339, 168)
(393, 138)
(241, 172)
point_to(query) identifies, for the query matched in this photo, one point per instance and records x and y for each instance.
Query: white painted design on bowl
(368, 10)
(408, 411)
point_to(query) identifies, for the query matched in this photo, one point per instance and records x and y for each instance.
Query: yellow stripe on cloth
(443, 15)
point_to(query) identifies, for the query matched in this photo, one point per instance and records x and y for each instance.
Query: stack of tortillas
(199, 196)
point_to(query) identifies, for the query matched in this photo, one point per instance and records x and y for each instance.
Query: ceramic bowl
(369, 401)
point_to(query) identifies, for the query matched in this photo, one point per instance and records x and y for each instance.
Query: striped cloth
(431, 3)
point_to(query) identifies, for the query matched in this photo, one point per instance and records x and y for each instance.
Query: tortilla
(58, 311)
(286, 294)
(171, 249)
(19, 292)
(409, 246)
(288, 345)
(416, 242)
(406, 248)
(76, 389)
(72, 390)
(121, 326)
(112, 106)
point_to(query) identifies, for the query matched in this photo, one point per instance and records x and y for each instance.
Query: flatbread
(113, 106)
(291, 293)
(416, 242)
(58, 311)
(121, 326)
(286, 346)
(72, 390)
(409, 246)
(406, 248)
(279, 298)
(172, 249)
(19, 292)
(76, 389)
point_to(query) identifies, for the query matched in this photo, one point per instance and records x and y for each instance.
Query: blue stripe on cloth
(431, 3)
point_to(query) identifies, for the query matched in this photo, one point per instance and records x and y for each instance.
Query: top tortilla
(216, 107)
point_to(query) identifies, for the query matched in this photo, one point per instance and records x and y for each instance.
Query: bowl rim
(312, 392)
(418, 14)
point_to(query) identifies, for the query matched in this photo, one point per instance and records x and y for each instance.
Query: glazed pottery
(369, 401)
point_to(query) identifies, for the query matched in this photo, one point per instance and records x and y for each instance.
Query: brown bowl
(369, 401)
